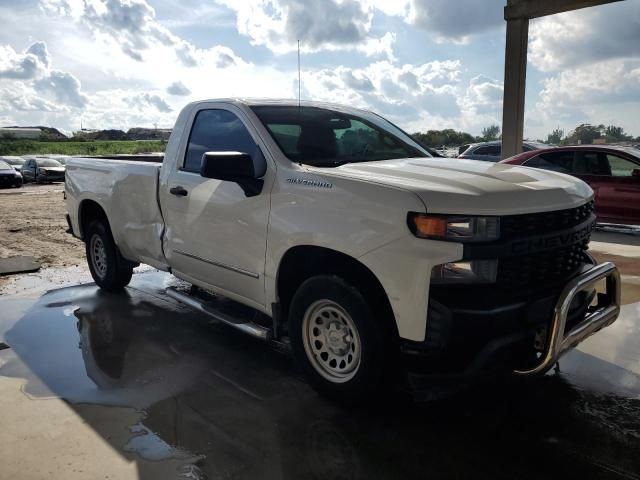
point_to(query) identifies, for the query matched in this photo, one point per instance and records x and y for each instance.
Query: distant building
(20, 132)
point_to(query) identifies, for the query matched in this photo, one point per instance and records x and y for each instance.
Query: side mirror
(636, 173)
(233, 166)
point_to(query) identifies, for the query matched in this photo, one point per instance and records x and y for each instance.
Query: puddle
(212, 403)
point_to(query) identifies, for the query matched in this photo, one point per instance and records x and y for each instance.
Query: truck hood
(456, 186)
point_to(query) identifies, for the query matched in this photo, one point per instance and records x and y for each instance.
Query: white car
(333, 232)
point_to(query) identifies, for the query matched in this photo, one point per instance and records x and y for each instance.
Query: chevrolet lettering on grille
(552, 241)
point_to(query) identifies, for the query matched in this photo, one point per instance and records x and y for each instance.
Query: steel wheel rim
(98, 255)
(331, 341)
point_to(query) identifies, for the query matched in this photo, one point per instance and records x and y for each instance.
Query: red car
(612, 172)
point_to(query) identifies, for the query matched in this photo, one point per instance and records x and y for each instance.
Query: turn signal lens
(430, 226)
(454, 228)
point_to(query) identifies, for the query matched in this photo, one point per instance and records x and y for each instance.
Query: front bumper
(604, 313)
(472, 332)
(10, 181)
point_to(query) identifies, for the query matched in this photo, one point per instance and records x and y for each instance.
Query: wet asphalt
(227, 406)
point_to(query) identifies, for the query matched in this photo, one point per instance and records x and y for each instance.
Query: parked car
(62, 159)
(15, 162)
(492, 151)
(43, 170)
(333, 233)
(9, 176)
(612, 172)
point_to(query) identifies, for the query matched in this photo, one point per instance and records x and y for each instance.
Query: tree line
(583, 134)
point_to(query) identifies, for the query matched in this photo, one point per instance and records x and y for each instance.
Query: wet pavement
(174, 396)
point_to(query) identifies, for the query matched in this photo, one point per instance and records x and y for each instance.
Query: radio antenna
(299, 81)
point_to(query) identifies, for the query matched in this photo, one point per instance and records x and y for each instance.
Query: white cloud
(24, 66)
(456, 21)
(129, 25)
(418, 97)
(606, 83)
(28, 84)
(178, 88)
(484, 95)
(63, 87)
(586, 36)
(318, 24)
(143, 101)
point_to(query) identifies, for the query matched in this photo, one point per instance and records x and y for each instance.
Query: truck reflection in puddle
(226, 406)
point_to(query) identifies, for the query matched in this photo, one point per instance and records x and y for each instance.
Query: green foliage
(584, 134)
(616, 134)
(491, 132)
(446, 138)
(555, 137)
(83, 147)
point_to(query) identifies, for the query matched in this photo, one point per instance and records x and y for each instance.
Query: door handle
(178, 191)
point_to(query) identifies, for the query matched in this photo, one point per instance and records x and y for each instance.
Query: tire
(338, 341)
(109, 269)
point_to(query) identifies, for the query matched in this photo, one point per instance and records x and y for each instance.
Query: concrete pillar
(515, 79)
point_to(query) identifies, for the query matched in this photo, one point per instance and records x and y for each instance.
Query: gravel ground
(32, 223)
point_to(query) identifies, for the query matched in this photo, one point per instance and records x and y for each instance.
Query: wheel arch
(305, 261)
(88, 211)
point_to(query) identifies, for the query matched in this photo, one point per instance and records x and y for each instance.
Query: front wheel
(338, 341)
(108, 268)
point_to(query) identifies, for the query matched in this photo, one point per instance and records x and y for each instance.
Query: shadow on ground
(212, 403)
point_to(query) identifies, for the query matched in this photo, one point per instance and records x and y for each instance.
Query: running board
(253, 329)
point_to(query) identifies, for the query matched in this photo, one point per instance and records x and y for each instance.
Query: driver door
(216, 234)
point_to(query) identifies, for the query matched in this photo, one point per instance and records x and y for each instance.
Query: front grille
(541, 268)
(7, 180)
(546, 222)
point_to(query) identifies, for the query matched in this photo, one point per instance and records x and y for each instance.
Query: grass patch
(70, 147)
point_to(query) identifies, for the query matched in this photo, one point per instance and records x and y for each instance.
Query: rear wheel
(338, 341)
(108, 268)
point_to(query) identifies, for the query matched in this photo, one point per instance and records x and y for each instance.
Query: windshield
(48, 162)
(5, 166)
(13, 161)
(323, 137)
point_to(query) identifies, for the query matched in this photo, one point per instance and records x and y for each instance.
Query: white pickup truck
(331, 230)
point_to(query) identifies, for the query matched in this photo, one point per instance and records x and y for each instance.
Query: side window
(216, 131)
(488, 150)
(555, 161)
(591, 163)
(620, 167)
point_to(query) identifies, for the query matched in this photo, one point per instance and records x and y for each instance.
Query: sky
(423, 64)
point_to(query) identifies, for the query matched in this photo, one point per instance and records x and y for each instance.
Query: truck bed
(127, 190)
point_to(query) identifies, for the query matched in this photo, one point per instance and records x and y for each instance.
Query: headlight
(42, 171)
(454, 228)
(474, 271)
